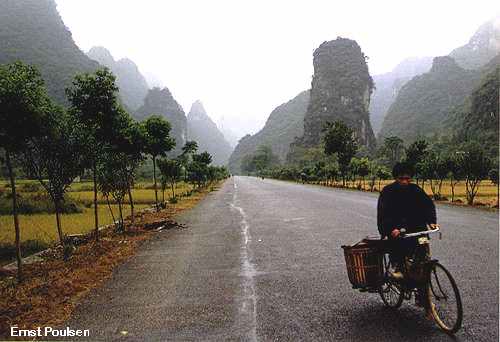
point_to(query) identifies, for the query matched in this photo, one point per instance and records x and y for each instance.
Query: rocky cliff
(341, 89)
(161, 102)
(32, 31)
(132, 84)
(284, 124)
(206, 133)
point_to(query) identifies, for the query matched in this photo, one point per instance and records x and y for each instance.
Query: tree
(56, 157)
(455, 171)
(171, 172)
(393, 149)
(415, 153)
(93, 98)
(158, 142)
(476, 166)
(383, 173)
(339, 139)
(23, 99)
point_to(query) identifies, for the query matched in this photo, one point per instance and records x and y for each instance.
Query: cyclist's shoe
(396, 275)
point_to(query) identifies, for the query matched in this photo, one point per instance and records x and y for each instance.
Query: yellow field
(43, 226)
(487, 193)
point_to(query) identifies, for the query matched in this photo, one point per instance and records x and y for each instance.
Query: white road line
(247, 271)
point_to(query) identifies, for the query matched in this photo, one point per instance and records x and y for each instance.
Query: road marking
(294, 219)
(247, 271)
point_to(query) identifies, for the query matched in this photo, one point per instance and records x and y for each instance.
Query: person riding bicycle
(403, 204)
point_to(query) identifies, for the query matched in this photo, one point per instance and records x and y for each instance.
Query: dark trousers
(400, 248)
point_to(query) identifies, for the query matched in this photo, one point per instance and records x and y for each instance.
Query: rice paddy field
(487, 194)
(42, 226)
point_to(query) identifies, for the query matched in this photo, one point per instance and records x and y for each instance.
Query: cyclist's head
(403, 173)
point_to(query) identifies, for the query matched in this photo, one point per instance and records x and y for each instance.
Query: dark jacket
(404, 207)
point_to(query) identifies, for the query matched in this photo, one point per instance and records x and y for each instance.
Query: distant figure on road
(403, 204)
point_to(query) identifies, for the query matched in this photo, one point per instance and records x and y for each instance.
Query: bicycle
(427, 280)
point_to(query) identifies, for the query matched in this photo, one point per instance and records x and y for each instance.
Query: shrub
(36, 203)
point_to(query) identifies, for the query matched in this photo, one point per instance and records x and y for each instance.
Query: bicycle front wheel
(444, 300)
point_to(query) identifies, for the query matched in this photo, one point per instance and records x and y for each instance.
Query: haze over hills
(481, 48)
(161, 102)
(132, 84)
(33, 31)
(285, 123)
(205, 132)
(388, 85)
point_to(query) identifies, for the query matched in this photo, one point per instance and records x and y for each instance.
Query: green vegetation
(55, 146)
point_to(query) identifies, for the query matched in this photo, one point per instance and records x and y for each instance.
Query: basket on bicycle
(365, 265)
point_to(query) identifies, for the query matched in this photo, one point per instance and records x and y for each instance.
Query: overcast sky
(244, 58)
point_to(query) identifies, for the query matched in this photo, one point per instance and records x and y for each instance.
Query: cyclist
(403, 204)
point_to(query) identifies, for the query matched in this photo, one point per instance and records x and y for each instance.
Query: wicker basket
(364, 263)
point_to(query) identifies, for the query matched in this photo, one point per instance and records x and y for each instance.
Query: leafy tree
(339, 139)
(393, 149)
(415, 154)
(456, 173)
(262, 159)
(158, 142)
(56, 157)
(383, 173)
(476, 165)
(94, 103)
(171, 172)
(22, 101)
(190, 147)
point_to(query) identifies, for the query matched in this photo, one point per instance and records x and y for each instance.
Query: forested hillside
(33, 31)
(132, 84)
(477, 118)
(284, 124)
(388, 85)
(203, 130)
(425, 103)
(161, 102)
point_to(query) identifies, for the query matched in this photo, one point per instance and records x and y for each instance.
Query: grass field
(43, 226)
(487, 193)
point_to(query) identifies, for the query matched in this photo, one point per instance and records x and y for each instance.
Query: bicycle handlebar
(424, 232)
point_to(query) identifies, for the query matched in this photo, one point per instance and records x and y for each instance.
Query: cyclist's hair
(401, 169)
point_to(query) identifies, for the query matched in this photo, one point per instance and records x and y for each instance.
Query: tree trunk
(173, 189)
(16, 217)
(131, 201)
(452, 185)
(111, 210)
(96, 218)
(154, 178)
(58, 222)
(122, 225)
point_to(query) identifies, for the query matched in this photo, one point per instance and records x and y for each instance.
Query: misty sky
(242, 59)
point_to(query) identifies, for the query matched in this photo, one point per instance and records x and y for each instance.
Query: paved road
(261, 261)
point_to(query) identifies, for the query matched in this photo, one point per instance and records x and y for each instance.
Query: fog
(242, 59)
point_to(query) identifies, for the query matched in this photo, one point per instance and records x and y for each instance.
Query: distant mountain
(32, 31)
(132, 84)
(284, 124)
(481, 48)
(161, 102)
(206, 133)
(340, 90)
(230, 136)
(388, 85)
(423, 105)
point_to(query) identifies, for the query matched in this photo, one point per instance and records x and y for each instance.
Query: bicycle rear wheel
(391, 292)
(444, 300)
